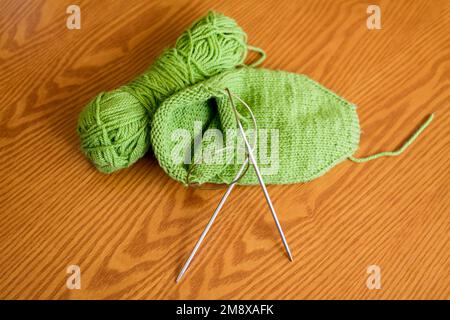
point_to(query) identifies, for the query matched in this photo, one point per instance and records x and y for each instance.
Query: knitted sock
(316, 128)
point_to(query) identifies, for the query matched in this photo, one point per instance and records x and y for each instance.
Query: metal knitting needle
(211, 221)
(258, 174)
(227, 193)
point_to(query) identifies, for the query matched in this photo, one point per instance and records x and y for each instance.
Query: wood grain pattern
(131, 231)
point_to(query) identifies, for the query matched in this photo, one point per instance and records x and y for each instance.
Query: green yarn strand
(399, 151)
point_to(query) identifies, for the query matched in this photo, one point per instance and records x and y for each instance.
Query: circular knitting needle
(258, 174)
(211, 221)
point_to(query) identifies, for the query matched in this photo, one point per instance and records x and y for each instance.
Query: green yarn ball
(114, 127)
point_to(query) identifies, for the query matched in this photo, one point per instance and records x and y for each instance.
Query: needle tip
(291, 258)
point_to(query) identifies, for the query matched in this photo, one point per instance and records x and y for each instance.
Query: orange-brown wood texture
(131, 231)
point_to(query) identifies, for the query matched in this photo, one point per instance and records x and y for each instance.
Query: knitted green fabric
(316, 128)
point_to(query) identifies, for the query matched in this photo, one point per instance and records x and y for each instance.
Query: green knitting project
(114, 127)
(308, 128)
(317, 129)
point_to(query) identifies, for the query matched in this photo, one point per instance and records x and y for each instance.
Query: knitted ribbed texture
(114, 127)
(317, 129)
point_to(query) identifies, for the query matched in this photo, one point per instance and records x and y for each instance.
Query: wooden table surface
(131, 231)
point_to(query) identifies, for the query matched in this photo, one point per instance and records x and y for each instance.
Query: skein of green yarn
(114, 127)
